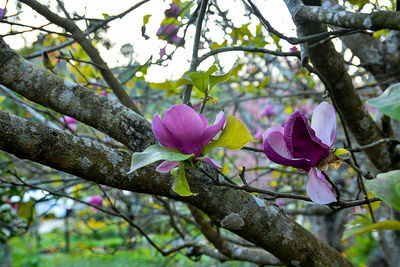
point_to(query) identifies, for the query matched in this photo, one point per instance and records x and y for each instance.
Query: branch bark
(372, 21)
(43, 87)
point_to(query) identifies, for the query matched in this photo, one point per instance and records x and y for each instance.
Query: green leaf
(146, 19)
(200, 79)
(168, 86)
(183, 80)
(364, 228)
(181, 186)
(387, 187)
(234, 136)
(155, 153)
(27, 210)
(388, 102)
(216, 79)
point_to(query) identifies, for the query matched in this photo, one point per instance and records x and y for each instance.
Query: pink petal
(212, 131)
(167, 166)
(276, 150)
(324, 123)
(162, 134)
(317, 189)
(187, 127)
(212, 162)
(205, 120)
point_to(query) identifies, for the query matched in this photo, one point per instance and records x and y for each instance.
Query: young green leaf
(364, 228)
(388, 102)
(387, 187)
(155, 153)
(200, 79)
(181, 186)
(234, 136)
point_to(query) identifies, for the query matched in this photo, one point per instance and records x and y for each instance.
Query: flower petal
(187, 127)
(162, 134)
(276, 150)
(212, 131)
(324, 123)
(301, 140)
(204, 119)
(212, 162)
(317, 189)
(167, 166)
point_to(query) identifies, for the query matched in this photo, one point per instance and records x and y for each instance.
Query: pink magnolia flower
(169, 33)
(268, 111)
(258, 134)
(293, 49)
(173, 11)
(302, 146)
(186, 130)
(2, 13)
(162, 53)
(96, 200)
(71, 122)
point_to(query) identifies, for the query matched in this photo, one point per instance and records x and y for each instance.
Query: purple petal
(212, 131)
(301, 140)
(162, 134)
(174, 39)
(167, 166)
(324, 123)
(204, 119)
(317, 189)
(212, 162)
(187, 127)
(276, 150)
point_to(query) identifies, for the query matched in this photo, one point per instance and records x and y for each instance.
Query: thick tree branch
(228, 249)
(372, 21)
(259, 222)
(86, 44)
(47, 89)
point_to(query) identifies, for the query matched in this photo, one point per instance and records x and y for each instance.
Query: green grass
(89, 250)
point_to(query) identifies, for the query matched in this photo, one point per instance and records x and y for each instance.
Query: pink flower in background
(2, 13)
(186, 130)
(293, 49)
(303, 146)
(96, 200)
(258, 134)
(268, 111)
(71, 122)
(169, 33)
(104, 93)
(162, 53)
(173, 11)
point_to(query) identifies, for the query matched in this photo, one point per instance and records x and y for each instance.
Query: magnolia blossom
(96, 200)
(2, 13)
(302, 146)
(173, 11)
(71, 122)
(170, 32)
(186, 130)
(268, 111)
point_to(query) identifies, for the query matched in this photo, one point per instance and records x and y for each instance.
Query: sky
(128, 30)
